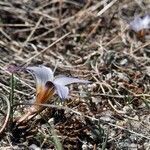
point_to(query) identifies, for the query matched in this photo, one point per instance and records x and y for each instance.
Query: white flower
(140, 23)
(47, 84)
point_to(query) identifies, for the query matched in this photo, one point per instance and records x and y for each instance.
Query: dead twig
(64, 36)
(8, 113)
(91, 118)
(30, 35)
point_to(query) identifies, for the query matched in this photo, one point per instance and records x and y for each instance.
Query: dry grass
(86, 39)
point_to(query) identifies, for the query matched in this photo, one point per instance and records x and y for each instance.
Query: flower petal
(45, 93)
(136, 24)
(146, 22)
(62, 91)
(14, 68)
(140, 23)
(69, 80)
(41, 74)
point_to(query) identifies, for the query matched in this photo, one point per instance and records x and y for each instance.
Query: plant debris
(90, 40)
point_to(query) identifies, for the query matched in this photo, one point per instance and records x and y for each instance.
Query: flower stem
(11, 99)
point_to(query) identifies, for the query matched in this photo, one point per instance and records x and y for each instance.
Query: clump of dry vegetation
(91, 40)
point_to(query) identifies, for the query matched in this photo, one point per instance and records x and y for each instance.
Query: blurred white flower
(47, 84)
(140, 23)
